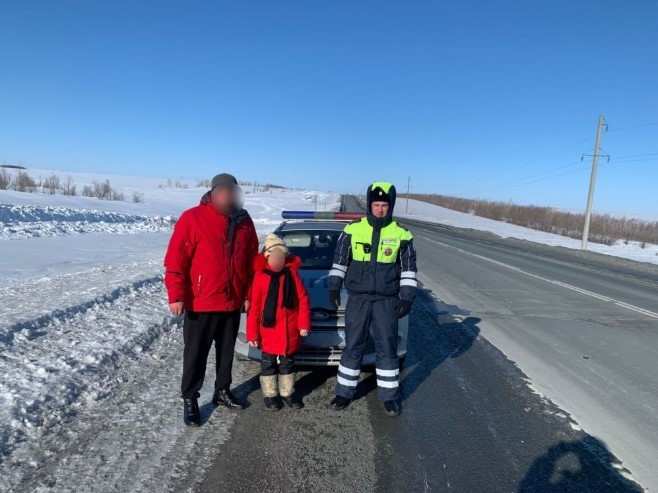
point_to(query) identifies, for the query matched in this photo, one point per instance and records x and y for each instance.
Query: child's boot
(268, 385)
(287, 391)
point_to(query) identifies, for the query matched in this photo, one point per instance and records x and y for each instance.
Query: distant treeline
(53, 184)
(247, 186)
(604, 228)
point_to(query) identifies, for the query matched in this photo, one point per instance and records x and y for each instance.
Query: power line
(629, 161)
(565, 169)
(633, 156)
(573, 166)
(632, 127)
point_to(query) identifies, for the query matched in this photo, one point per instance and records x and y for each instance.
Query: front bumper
(323, 347)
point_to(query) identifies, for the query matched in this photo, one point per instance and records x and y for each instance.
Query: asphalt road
(530, 369)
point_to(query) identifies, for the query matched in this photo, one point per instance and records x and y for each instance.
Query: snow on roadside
(102, 413)
(157, 198)
(424, 211)
(91, 360)
(54, 363)
(26, 221)
(25, 215)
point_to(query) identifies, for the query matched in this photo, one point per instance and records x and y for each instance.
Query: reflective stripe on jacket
(376, 261)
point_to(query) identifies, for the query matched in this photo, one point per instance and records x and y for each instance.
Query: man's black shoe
(392, 408)
(272, 403)
(292, 402)
(191, 414)
(225, 398)
(339, 403)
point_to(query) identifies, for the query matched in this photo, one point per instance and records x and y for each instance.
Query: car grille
(328, 320)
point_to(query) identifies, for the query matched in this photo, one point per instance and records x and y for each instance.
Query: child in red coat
(279, 313)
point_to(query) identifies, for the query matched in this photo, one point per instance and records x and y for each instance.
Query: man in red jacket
(208, 270)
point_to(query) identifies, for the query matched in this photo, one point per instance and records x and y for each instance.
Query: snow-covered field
(433, 213)
(89, 356)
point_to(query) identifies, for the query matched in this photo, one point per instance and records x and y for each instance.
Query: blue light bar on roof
(327, 215)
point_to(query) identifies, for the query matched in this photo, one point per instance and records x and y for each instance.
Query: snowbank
(424, 211)
(59, 214)
(27, 221)
(83, 318)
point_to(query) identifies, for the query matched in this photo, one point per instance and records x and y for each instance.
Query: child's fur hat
(274, 242)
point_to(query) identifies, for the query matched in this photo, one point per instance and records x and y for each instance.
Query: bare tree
(68, 187)
(5, 179)
(24, 182)
(103, 190)
(51, 185)
(138, 198)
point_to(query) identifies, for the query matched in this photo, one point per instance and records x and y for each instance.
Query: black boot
(292, 402)
(223, 397)
(272, 403)
(191, 414)
(393, 408)
(339, 403)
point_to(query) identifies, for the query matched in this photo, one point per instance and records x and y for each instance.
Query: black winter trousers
(271, 364)
(200, 329)
(370, 317)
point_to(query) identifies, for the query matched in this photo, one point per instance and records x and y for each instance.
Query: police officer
(376, 259)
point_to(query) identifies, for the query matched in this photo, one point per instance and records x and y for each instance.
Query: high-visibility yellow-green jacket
(375, 256)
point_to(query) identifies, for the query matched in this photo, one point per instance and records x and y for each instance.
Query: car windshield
(315, 248)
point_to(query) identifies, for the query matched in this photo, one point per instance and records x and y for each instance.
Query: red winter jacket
(206, 269)
(283, 338)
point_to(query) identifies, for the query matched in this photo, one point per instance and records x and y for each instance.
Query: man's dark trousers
(373, 317)
(199, 331)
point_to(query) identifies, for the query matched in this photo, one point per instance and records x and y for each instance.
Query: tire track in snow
(32, 329)
(93, 403)
(72, 358)
(135, 441)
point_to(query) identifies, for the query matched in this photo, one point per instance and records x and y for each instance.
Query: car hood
(324, 313)
(316, 282)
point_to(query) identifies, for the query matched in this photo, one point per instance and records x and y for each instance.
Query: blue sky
(491, 99)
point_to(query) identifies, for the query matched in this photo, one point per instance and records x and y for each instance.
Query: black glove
(403, 308)
(334, 297)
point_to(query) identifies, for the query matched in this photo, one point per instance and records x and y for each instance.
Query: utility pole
(592, 179)
(406, 208)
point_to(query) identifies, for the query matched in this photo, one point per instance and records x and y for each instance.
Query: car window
(315, 248)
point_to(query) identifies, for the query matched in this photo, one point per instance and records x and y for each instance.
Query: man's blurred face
(226, 198)
(379, 209)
